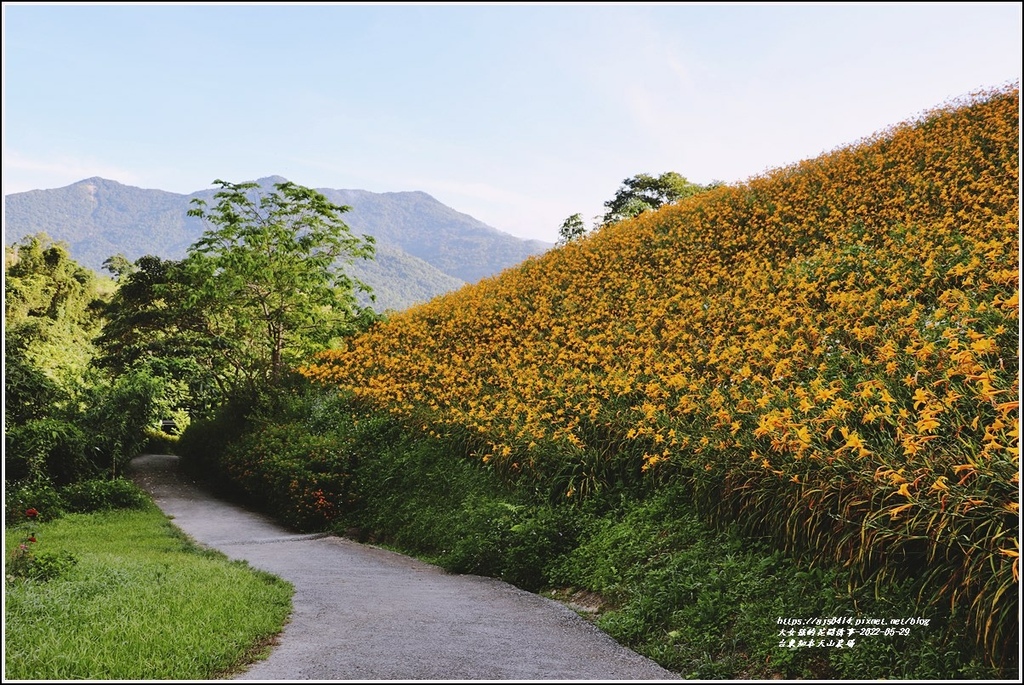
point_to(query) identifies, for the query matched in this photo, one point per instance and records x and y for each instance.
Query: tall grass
(140, 603)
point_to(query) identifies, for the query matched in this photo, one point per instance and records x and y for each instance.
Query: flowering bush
(26, 563)
(21, 497)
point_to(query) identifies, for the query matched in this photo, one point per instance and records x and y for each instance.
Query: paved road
(365, 613)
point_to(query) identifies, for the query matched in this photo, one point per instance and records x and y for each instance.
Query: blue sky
(519, 114)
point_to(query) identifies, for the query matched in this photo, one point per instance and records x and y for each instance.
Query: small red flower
(31, 538)
(31, 513)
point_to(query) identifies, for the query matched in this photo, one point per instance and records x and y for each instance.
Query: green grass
(706, 603)
(141, 603)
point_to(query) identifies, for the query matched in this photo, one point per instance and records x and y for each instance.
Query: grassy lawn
(141, 602)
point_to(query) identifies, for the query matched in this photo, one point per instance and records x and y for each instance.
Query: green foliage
(63, 421)
(571, 229)
(26, 564)
(141, 603)
(50, 313)
(487, 535)
(119, 265)
(518, 543)
(299, 477)
(398, 479)
(48, 449)
(101, 495)
(269, 279)
(204, 442)
(84, 496)
(121, 412)
(638, 194)
(151, 326)
(29, 393)
(644, 192)
(99, 434)
(23, 496)
(706, 603)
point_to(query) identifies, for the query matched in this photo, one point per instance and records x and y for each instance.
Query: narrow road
(365, 613)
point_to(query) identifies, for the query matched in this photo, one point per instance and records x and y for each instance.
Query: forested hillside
(827, 355)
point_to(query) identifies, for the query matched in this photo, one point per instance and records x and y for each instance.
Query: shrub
(40, 496)
(484, 538)
(100, 495)
(47, 449)
(204, 441)
(42, 566)
(299, 477)
(543, 535)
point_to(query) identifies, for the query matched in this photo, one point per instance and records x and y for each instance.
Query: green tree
(572, 229)
(119, 266)
(28, 392)
(152, 326)
(125, 407)
(52, 308)
(644, 192)
(63, 420)
(268, 276)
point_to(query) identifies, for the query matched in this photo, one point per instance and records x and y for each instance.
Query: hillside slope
(828, 353)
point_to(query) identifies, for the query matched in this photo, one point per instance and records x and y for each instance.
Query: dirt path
(364, 613)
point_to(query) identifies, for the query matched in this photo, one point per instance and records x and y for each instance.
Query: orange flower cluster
(830, 350)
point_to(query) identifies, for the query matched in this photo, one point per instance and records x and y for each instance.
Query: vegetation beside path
(121, 594)
(701, 601)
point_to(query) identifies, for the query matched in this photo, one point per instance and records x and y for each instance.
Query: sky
(517, 114)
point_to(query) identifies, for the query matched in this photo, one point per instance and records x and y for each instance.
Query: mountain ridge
(430, 248)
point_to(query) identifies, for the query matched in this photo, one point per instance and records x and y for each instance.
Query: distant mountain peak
(271, 180)
(96, 181)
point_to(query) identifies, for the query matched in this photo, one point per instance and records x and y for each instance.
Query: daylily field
(828, 354)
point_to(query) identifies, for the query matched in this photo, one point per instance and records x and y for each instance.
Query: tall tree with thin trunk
(270, 276)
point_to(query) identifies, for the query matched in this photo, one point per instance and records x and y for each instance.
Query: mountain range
(424, 248)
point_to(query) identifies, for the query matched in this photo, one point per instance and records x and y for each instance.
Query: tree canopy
(268, 276)
(64, 420)
(636, 195)
(572, 228)
(644, 192)
(151, 325)
(50, 306)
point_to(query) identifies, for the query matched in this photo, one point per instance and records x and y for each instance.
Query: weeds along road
(365, 613)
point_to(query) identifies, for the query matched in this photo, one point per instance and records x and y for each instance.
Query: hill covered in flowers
(827, 354)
